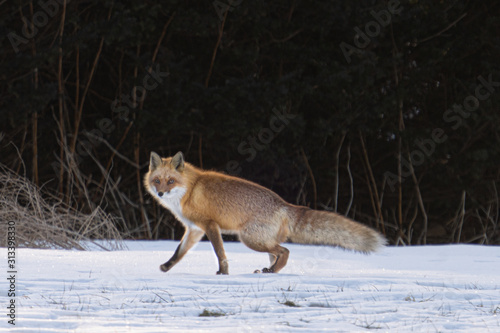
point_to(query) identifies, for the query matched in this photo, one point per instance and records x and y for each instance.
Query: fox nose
(160, 194)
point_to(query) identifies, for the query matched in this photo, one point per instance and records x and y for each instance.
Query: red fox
(211, 203)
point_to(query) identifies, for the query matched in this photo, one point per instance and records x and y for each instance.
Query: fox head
(165, 179)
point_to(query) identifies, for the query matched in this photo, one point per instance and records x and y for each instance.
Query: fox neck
(172, 201)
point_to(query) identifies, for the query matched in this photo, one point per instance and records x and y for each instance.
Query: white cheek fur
(172, 201)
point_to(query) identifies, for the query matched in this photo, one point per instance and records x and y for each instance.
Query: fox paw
(264, 270)
(222, 273)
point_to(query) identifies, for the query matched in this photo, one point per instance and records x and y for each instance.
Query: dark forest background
(387, 112)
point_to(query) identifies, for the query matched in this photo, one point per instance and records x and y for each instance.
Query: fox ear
(155, 161)
(178, 162)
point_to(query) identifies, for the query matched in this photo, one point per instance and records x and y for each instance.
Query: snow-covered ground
(400, 289)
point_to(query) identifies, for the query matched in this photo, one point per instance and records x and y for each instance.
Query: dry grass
(43, 221)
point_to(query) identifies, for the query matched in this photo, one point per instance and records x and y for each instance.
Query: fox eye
(170, 182)
(157, 181)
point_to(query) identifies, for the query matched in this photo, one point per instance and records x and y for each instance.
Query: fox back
(209, 202)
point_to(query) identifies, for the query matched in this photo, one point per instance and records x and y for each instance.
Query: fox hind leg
(272, 259)
(281, 253)
(278, 258)
(278, 255)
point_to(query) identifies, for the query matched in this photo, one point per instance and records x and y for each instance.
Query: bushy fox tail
(327, 228)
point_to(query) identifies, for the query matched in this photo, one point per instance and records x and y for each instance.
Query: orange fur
(211, 203)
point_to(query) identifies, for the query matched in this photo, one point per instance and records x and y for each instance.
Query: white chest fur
(172, 201)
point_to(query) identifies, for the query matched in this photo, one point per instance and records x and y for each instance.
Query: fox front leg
(214, 236)
(191, 237)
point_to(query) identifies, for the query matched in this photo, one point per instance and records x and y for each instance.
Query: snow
(399, 289)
